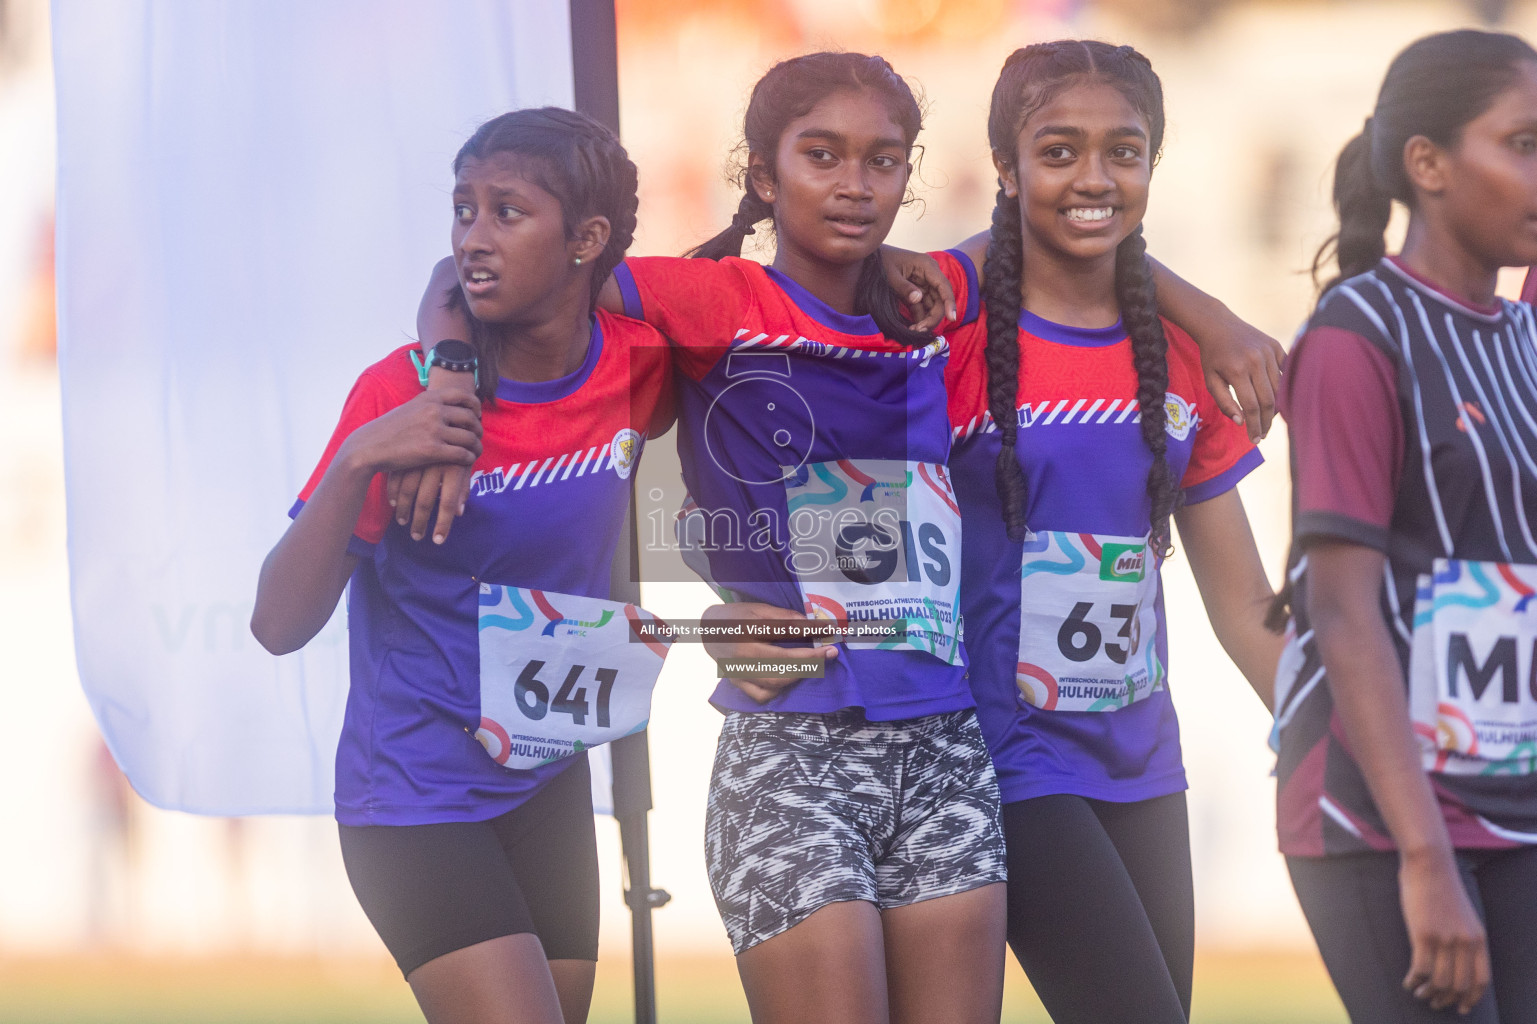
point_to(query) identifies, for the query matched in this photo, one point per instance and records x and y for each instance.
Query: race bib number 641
(559, 673)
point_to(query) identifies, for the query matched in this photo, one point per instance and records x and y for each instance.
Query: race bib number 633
(1088, 622)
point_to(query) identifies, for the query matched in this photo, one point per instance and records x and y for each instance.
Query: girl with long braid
(1082, 429)
(1407, 798)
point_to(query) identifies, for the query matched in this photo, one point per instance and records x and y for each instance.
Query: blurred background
(111, 910)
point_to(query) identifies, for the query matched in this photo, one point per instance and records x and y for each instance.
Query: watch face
(452, 350)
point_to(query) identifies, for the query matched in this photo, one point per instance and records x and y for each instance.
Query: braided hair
(1031, 78)
(790, 90)
(578, 161)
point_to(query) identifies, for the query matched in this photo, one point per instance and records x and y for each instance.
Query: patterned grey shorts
(807, 810)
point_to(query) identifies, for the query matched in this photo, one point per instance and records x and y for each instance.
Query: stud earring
(577, 262)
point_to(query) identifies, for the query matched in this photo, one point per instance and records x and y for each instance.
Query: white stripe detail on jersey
(535, 481)
(1131, 407)
(1034, 414)
(1073, 411)
(1328, 807)
(575, 458)
(1505, 428)
(1114, 404)
(1478, 444)
(1060, 406)
(532, 470)
(1519, 355)
(1088, 413)
(1299, 696)
(1356, 297)
(1501, 341)
(1527, 838)
(1397, 609)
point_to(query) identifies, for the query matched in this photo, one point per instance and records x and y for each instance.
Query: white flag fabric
(250, 196)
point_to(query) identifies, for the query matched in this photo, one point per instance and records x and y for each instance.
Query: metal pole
(595, 61)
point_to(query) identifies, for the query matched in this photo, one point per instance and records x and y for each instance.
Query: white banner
(250, 195)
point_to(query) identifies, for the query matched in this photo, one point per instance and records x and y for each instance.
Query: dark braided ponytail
(578, 161)
(790, 90)
(1031, 77)
(1001, 292)
(1138, 300)
(1433, 88)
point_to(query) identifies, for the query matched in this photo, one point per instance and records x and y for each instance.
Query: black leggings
(1101, 907)
(1351, 903)
(434, 889)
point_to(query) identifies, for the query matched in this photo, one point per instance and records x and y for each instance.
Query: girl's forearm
(1195, 311)
(1369, 694)
(435, 321)
(305, 573)
(1234, 588)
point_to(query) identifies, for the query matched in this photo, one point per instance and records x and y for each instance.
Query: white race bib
(560, 673)
(1473, 668)
(1088, 624)
(879, 539)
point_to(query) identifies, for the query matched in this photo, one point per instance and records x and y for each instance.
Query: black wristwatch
(451, 354)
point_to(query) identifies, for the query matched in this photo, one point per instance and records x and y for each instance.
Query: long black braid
(1001, 291)
(1135, 294)
(1031, 76)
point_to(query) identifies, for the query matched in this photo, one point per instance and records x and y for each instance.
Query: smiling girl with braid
(1082, 427)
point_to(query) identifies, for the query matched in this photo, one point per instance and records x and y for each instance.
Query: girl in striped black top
(1407, 700)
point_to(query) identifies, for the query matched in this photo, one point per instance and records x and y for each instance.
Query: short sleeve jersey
(1411, 415)
(771, 377)
(1080, 446)
(547, 499)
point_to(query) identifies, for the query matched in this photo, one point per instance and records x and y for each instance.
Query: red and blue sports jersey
(1086, 466)
(547, 500)
(770, 378)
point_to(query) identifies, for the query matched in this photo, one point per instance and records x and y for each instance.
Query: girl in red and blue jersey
(1407, 714)
(852, 836)
(1082, 426)
(481, 666)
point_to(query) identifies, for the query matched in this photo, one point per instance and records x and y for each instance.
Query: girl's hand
(1247, 360)
(415, 494)
(761, 688)
(920, 285)
(1450, 961)
(432, 428)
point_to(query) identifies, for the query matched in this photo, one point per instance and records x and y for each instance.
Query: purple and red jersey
(1080, 446)
(771, 378)
(547, 500)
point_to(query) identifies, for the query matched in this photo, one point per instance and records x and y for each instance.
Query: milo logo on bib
(1122, 563)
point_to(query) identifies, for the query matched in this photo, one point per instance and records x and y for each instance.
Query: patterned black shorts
(807, 810)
